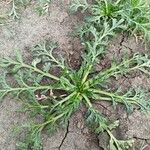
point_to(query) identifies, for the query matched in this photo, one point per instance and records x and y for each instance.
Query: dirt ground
(58, 26)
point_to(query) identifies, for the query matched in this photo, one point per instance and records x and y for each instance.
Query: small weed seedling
(56, 98)
(16, 4)
(42, 7)
(135, 14)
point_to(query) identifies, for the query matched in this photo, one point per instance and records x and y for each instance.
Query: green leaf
(36, 61)
(79, 4)
(18, 56)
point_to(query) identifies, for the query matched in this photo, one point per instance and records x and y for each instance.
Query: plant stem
(112, 95)
(53, 119)
(26, 88)
(106, 4)
(114, 139)
(87, 73)
(39, 106)
(62, 101)
(87, 100)
(111, 71)
(41, 126)
(117, 2)
(41, 72)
